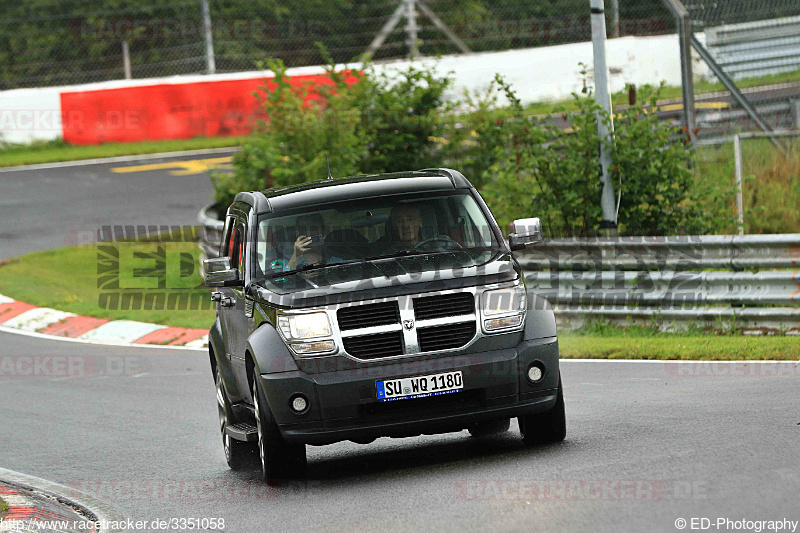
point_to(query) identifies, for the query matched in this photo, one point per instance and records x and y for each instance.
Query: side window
(227, 238)
(236, 247)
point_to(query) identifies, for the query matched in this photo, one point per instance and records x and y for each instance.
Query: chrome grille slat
(405, 326)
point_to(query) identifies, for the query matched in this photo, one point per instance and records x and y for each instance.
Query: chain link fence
(62, 42)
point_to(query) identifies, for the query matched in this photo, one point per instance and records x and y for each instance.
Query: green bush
(376, 123)
(539, 170)
(523, 166)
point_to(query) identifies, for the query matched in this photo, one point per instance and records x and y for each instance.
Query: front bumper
(344, 406)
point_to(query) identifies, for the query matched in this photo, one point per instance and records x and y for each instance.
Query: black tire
(548, 427)
(279, 459)
(490, 427)
(239, 455)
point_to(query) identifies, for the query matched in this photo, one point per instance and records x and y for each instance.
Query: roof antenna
(328, 165)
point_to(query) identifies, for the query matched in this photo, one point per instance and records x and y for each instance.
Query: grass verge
(3, 509)
(669, 92)
(115, 281)
(706, 347)
(57, 151)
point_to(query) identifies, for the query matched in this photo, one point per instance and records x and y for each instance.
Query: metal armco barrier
(749, 282)
(756, 48)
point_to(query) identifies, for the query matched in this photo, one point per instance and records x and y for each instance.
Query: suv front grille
(375, 346)
(446, 337)
(365, 316)
(460, 303)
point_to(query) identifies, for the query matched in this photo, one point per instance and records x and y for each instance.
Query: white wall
(30, 114)
(537, 74)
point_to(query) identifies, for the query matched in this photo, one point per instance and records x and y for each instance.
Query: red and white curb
(28, 318)
(38, 505)
(21, 508)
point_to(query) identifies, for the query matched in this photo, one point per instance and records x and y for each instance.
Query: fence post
(687, 81)
(210, 66)
(737, 155)
(411, 28)
(604, 130)
(126, 59)
(615, 18)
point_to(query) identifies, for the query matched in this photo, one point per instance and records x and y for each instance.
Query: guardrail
(756, 48)
(748, 282)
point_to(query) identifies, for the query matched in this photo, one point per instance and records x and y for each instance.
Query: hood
(385, 278)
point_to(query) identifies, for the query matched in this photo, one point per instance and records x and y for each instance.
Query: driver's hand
(302, 245)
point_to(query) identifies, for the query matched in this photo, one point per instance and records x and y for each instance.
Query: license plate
(419, 386)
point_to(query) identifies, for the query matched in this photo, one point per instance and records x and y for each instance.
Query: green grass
(679, 347)
(771, 189)
(56, 151)
(67, 279)
(669, 92)
(3, 508)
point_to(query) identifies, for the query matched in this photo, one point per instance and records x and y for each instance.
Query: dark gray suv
(382, 305)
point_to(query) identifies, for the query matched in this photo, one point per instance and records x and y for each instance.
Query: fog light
(495, 324)
(535, 373)
(319, 347)
(299, 404)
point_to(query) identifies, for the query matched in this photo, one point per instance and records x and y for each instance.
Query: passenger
(405, 227)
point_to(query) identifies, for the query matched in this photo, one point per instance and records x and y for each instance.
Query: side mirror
(220, 274)
(525, 232)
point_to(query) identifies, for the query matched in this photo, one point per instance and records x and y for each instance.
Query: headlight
(503, 309)
(503, 301)
(304, 326)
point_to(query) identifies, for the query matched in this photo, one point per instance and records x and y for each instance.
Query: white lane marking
(37, 318)
(45, 336)
(119, 159)
(6, 299)
(676, 361)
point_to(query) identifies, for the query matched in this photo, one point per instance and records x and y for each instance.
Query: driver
(309, 247)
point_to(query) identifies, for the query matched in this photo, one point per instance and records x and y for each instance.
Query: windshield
(371, 228)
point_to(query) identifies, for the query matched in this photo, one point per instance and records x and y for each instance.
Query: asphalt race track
(648, 442)
(52, 207)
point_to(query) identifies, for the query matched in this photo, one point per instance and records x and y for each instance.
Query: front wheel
(548, 427)
(239, 455)
(279, 459)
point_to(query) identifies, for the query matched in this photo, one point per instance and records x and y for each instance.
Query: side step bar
(243, 431)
